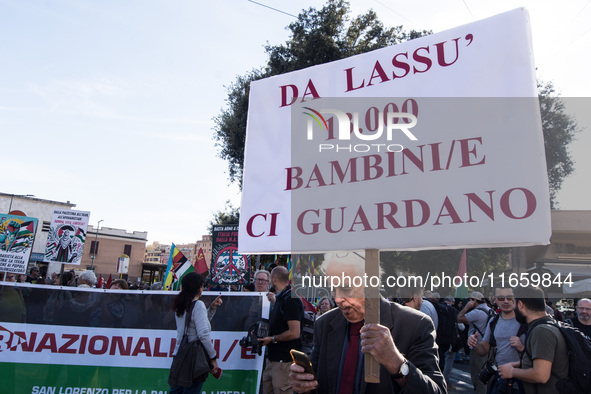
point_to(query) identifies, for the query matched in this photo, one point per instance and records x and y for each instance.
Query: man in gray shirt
(428, 309)
(476, 313)
(507, 338)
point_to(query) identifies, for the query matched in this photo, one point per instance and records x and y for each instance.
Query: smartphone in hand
(302, 360)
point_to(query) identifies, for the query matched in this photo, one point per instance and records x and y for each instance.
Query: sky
(110, 104)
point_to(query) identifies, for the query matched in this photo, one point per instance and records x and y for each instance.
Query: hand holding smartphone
(302, 360)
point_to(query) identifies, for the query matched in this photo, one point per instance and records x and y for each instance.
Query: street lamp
(95, 244)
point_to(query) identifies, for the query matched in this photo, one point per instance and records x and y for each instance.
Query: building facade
(103, 249)
(188, 250)
(568, 254)
(155, 262)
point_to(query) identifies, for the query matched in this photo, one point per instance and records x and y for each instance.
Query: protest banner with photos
(433, 143)
(104, 341)
(67, 234)
(17, 234)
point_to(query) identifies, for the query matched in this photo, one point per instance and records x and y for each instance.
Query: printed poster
(228, 266)
(17, 234)
(67, 234)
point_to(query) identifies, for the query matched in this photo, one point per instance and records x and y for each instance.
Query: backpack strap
(493, 325)
(522, 329)
(487, 320)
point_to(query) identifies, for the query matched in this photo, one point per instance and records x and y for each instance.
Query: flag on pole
(177, 267)
(99, 284)
(308, 307)
(462, 289)
(181, 271)
(109, 281)
(298, 267)
(200, 262)
(168, 274)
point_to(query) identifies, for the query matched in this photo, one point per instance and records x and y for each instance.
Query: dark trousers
(442, 351)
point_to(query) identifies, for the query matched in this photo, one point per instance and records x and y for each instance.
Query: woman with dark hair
(119, 284)
(324, 306)
(199, 327)
(66, 278)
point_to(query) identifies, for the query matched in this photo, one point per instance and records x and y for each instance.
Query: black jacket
(414, 336)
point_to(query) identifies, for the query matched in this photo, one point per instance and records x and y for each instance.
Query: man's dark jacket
(414, 336)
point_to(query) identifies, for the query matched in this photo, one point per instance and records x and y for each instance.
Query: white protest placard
(430, 144)
(17, 234)
(67, 234)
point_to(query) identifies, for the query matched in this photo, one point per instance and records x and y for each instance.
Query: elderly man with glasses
(403, 343)
(262, 279)
(583, 319)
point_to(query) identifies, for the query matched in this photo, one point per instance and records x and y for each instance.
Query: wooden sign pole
(372, 310)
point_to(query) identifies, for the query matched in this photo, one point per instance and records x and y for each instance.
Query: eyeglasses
(582, 308)
(504, 298)
(261, 280)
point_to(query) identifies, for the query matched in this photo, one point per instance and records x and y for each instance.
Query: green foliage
(321, 36)
(230, 215)
(230, 125)
(559, 131)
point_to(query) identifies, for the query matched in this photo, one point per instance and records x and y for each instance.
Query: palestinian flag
(27, 229)
(181, 271)
(80, 234)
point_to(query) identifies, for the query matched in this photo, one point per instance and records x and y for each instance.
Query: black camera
(488, 371)
(257, 330)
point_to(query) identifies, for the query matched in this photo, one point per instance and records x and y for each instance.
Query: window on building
(94, 247)
(127, 250)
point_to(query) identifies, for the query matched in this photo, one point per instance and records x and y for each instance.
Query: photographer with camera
(503, 342)
(477, 314)
(285, 326)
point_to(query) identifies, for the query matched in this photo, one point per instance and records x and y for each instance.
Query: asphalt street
(460, 378)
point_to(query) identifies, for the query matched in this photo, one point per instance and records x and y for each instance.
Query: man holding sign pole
(403, 343)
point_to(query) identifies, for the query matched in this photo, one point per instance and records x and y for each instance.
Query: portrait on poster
(67, 234)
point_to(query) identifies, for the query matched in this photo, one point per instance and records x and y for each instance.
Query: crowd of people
(72, 278)
(511, 340)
